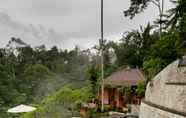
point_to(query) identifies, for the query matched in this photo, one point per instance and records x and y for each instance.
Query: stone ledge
(176, 83)
(164, 108)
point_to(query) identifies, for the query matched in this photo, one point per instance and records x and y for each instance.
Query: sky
(66, 23)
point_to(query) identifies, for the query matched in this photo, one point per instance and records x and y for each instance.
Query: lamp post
(102, 60)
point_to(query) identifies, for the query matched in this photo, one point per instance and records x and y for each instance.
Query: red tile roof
(124, 77)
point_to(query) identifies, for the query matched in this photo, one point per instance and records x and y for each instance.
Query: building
(114, 94)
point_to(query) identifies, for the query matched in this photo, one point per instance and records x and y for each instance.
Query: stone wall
(167, 89)
(135, 109)
(147, 111)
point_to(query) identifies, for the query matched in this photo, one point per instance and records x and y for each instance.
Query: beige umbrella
(21, 109)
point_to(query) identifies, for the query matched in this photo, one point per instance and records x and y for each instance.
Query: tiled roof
(124, 77)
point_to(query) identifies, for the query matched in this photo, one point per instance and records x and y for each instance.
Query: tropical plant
(141, 87)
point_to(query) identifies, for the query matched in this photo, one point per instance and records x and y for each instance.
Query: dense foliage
(63, 103)
(28, 75)
(39, 76)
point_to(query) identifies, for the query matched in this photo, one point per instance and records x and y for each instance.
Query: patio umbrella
(21, 109)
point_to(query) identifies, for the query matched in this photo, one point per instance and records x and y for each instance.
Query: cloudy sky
(66, 23)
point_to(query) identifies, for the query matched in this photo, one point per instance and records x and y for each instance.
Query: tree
(93, 76)
(177, 19)
(31, 74)
(32, 77)
(138, 6)
(26, 56)
(135, 46)
(162, 53)
(66, 99)
(177, 13)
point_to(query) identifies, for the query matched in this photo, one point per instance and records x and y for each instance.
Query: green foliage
(38, 75)
(36, 71)
(167, 46)
(177, 14)
(153, 66)
(93, 76)
(65, 100)
(136, 6)
(72, 96)
(134, 47)
(141, 88)
(127, 91)
(159, 53)
(162, 53)
(28, 75)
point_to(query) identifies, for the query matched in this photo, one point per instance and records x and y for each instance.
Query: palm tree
(141, 38)
(135, 46)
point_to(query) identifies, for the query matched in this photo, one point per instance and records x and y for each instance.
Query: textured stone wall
(147, 111)
(167, 89)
